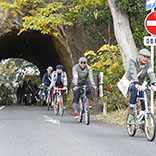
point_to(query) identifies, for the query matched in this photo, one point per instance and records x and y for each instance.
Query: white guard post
(101, 84)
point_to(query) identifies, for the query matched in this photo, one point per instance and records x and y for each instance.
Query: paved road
(33, 131)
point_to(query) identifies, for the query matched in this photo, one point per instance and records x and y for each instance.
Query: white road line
(49, 119)
(151, 23)
(2, 107)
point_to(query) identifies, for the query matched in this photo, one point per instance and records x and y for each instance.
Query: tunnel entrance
(41, 50)
(32, 46)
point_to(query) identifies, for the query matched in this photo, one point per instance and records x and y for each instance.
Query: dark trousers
(77, 95)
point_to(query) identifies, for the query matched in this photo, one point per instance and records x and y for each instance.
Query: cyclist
(59, 80)
(82, 75)
(46, 81)
(140, 64)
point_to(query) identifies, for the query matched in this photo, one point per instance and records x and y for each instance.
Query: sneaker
(90, 106)
(76, 116)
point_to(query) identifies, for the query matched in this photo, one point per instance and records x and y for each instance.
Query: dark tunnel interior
(32, 46)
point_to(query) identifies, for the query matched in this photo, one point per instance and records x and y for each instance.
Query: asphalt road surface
(34, 131)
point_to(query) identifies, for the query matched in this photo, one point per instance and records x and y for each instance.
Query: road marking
(151, 23)
(2, 107)
(49, 119)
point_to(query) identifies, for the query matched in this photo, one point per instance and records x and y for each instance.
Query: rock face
(71, 43)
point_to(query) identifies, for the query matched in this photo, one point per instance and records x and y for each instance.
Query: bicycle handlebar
(84, 86)
(146, 88)
(58, 89)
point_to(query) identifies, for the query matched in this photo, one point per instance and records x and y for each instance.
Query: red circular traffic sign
(150, 23)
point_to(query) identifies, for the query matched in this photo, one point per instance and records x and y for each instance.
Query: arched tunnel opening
(37, 48)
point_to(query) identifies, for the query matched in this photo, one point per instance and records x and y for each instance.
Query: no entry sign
(150, 23)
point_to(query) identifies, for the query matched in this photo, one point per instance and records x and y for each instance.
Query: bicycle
(142, 118)
(58, 102)
(41, 95)
(84, 107)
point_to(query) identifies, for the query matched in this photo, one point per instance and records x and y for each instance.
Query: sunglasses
(83, 62)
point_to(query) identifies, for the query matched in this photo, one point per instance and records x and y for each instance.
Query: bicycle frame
(84, 107)
(57, 91)
(83, 95)
(142, 114)
(58, 101)
(145, 119)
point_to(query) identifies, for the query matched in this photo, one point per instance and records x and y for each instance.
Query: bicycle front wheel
(150, 126)
(61, 109)
(81, 111)
(56, 106)
(87, 113)
(131, 125)
(48, 101)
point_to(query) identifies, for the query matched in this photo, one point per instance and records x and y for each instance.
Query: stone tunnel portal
(34, 47)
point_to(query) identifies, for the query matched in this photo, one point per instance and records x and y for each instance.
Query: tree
(135, 9)
(39, 15)
(123, 33)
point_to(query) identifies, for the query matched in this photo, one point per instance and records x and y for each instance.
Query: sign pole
(152, 62)
(152, 94)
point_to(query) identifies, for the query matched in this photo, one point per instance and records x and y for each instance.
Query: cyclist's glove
(48, 89)
(139, 87)
(75, 88)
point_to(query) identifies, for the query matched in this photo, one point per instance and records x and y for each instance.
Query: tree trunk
(123, 34)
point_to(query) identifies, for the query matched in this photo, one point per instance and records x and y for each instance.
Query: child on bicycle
(59, 80)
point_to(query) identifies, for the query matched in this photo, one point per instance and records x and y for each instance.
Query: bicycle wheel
(131, 125)
(61, 109)
(56, 106)
(150, 126)
(87, 113)
(81, 111)
(48, 101)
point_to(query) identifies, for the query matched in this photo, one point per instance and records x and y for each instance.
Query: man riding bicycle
(82, 75)
(142, 65)
(59, 80)
(46, 81)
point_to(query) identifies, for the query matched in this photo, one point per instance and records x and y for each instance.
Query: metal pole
(152, 62)
(152, 94)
